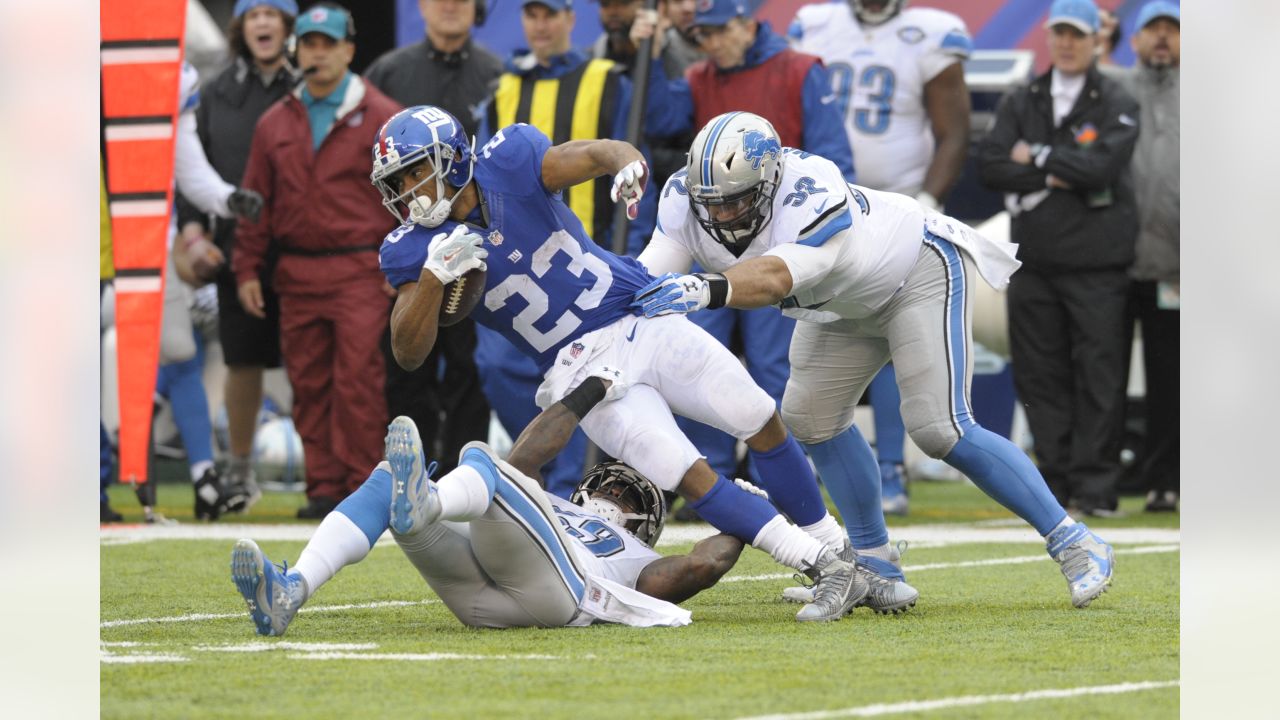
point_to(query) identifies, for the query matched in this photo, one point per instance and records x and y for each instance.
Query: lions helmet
(414, 135)
(876, 12)
(735, 165)
(617, 493)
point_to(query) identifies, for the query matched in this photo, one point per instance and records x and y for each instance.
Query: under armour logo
(690, 286)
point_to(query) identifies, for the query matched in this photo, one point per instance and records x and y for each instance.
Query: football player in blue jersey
(566, 302)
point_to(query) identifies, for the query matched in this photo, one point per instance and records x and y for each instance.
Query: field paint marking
(416, 657)
(299, 646)
(971, 563)
(919, 535)
(223, 616)
(971, 700)
(134, 659)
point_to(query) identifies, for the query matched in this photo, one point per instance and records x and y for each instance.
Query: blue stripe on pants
(542, 530)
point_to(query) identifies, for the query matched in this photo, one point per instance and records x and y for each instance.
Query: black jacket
(419, 74)
(230, 105)
(1081, 228)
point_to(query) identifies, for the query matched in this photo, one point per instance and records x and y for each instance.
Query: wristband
(718, 286)
(584, 397)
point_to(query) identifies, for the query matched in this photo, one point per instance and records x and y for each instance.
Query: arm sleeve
(954, 46)
(195, 177)
(520, 153)
(809, 265)
(252, 238)
(824, 133)
(668, 103)
(664, 255)
(404, 251)
(995, 169)
(1096, 165)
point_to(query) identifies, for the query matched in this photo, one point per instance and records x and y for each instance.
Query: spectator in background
(747, 67)
(898, 78)
(310, 160)
(230, 105)
(578, 98)
(1060, 150)
(615, 43)
(446, 69)
(1109, 35)
(1154, 290)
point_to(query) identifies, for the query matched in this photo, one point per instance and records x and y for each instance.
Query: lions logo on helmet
(617, 493)
(735, 164)
(423, 133)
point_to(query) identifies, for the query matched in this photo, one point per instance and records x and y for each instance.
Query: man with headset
(310, 161)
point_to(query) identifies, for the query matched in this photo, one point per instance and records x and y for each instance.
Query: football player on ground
(566, 302)
(871, 277)
(898, 78)
(498, 549)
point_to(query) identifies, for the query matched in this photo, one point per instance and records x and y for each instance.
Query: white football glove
(674, 293)
(751, 488)
(628, 186)
(452, 255)
(617, 385)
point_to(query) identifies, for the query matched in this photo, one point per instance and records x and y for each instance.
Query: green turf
(977, 631)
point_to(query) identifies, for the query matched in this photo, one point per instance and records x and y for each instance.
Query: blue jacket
(671, 104)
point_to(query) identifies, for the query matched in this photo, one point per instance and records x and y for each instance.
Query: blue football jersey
(547, 282)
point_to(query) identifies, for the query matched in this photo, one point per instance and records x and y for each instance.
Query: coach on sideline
(1060, 150)
(310, 161)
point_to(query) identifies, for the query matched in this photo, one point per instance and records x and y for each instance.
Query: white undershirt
(1064, 89)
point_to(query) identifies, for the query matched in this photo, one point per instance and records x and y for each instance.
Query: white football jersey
(603, 549)
(848, 248)
(878, 74)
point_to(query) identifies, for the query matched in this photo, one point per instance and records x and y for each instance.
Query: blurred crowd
(276, 230)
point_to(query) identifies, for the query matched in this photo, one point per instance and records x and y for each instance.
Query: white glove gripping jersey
(848, 248)
(878, 74)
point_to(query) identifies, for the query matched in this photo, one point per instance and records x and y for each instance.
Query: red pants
(330, 346)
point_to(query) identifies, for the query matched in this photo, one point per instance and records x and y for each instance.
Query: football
(460, 297)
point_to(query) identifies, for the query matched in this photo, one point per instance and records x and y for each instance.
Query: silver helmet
(617, 493)
(876, 12)
(735, 165)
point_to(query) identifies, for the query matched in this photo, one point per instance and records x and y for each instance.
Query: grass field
(994, 634)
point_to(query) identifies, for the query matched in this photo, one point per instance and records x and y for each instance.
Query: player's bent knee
(935, 439)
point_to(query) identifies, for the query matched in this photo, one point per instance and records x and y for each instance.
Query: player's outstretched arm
(548, 433)
(750, 284)
(680, 577)
(578, 161)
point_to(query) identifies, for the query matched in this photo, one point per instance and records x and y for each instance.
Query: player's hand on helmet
(245, 203)
(628, 186)
(454, 254)
(618, 385)
(673, 293)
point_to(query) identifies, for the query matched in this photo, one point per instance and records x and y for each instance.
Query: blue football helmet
(413, 135)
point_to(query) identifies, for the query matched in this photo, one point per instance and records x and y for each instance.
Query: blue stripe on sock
(732, 510)
(543, 530)
(784, 473)
(849, 470)
(369, 507)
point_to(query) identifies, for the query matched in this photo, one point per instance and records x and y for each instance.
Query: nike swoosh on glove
(673, 293)
(629, 184)
(454, 254)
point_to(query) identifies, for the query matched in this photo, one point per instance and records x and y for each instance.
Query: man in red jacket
(310, 162)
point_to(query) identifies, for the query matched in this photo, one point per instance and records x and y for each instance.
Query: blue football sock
(849, 470)
(734, 511)
(785, 474)
(181, 382)
(1007, 475)
(886, 407)
(369, 507)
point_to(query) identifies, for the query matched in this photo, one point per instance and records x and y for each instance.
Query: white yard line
(971, 563)
(222, 616)
(930, 535)
(415, 657)
(915, 706)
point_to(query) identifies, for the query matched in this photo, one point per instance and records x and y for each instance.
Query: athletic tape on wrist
(718, 285)
(585, 396)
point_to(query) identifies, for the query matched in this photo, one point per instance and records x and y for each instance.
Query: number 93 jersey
(547, 282)
(878, 74)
